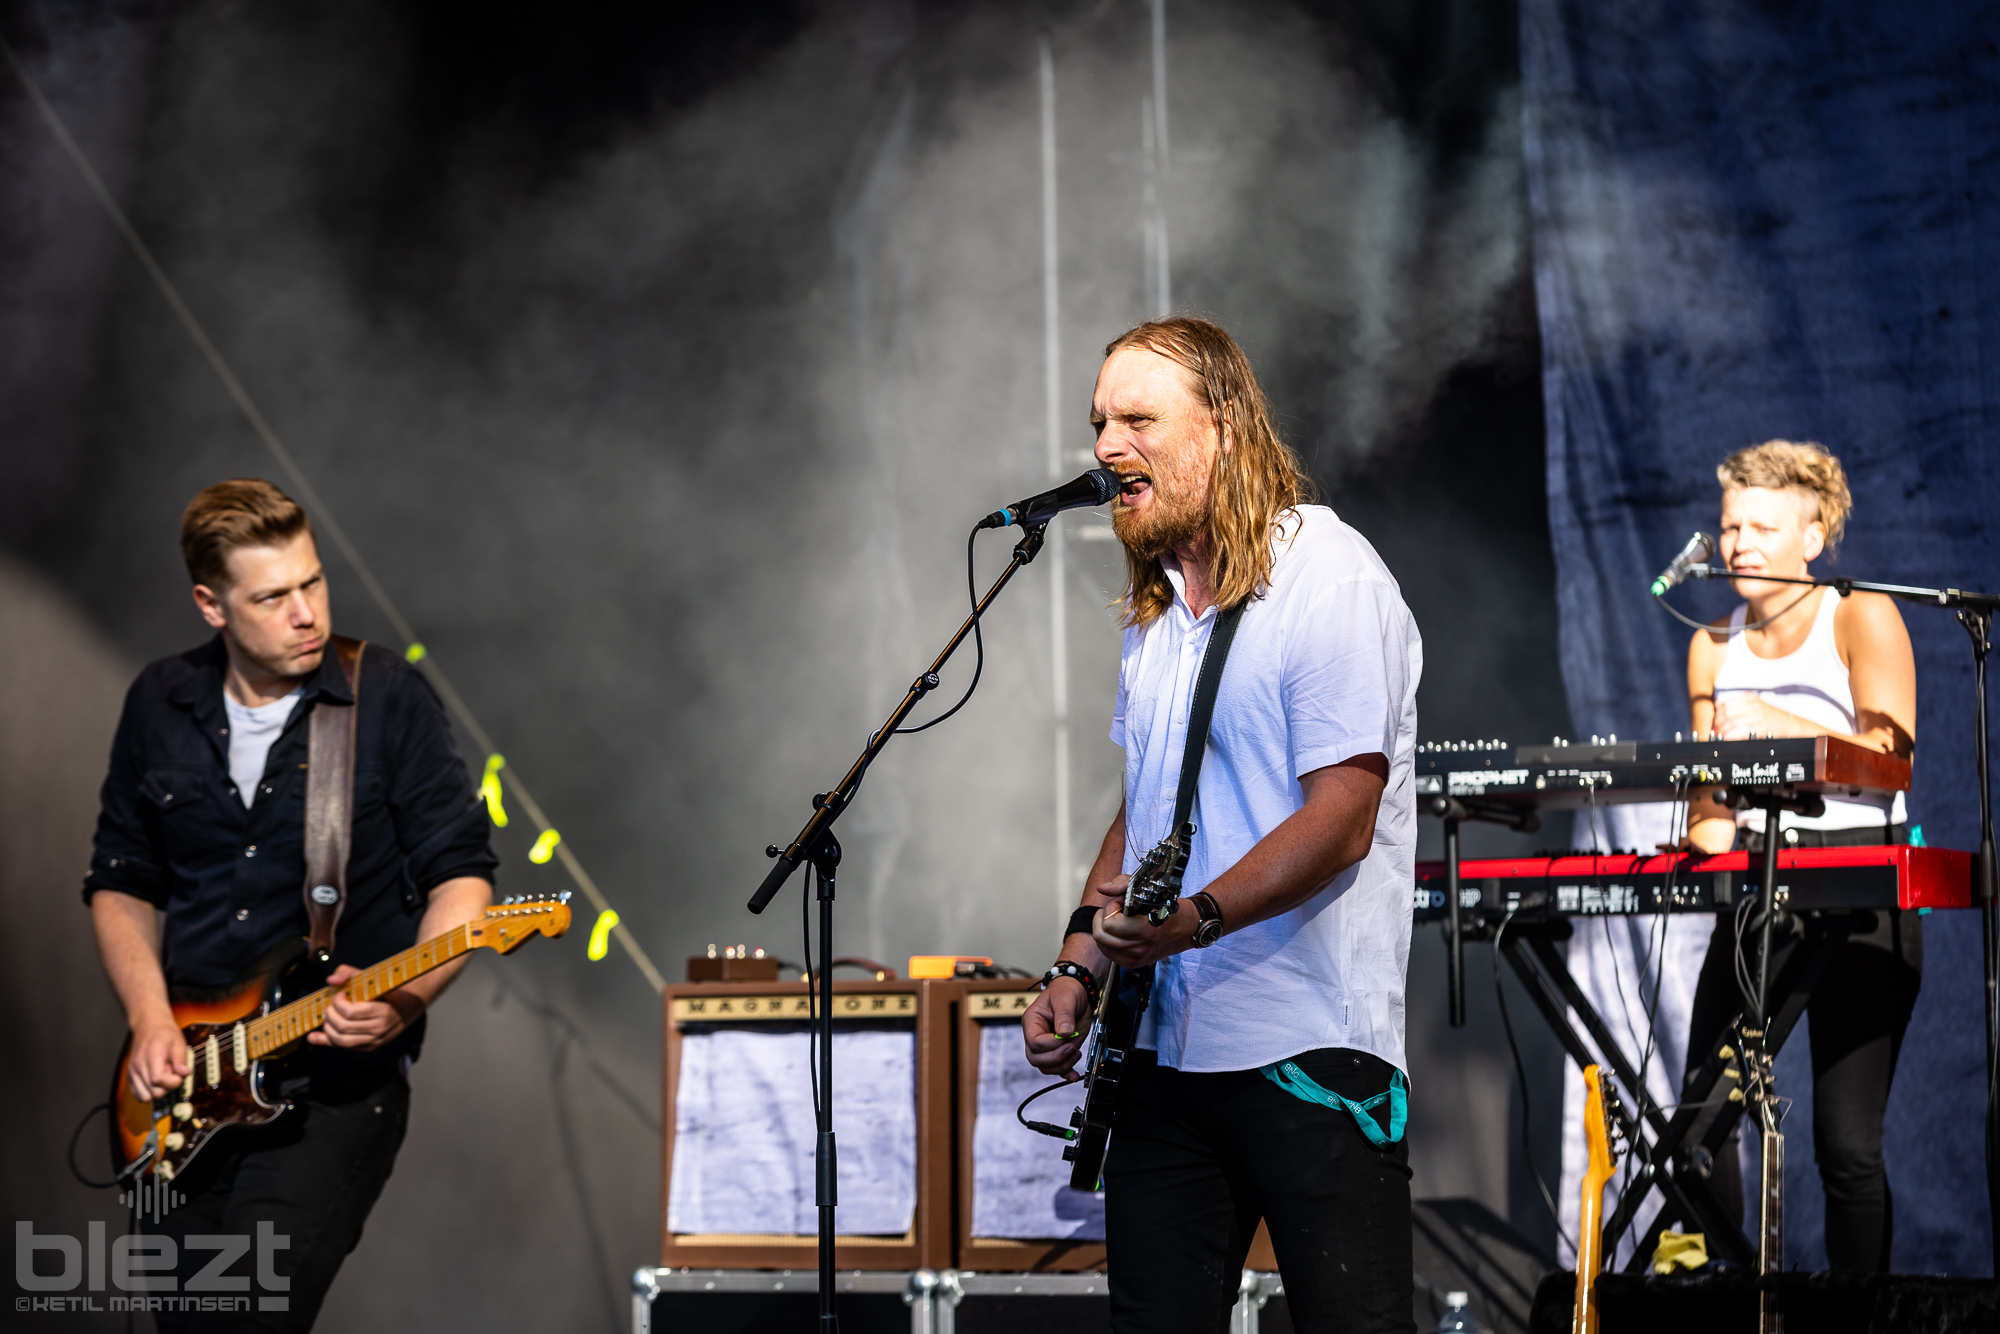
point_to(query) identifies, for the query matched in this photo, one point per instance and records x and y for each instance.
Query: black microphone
(1696, 552)
(1093, 488)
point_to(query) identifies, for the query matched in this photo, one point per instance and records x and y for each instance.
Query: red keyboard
(1891, 876)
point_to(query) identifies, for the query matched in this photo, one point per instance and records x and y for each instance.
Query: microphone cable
(1661, 598)
(978, 643)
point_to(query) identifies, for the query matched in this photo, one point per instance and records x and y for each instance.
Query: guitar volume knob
(183, 1111)
(175, 1139)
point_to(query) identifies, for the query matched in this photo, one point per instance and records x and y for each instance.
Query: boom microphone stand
(1975, 613)
(816, 844)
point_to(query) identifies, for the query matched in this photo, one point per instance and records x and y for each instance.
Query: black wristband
(1064, 968)
(1082, 921)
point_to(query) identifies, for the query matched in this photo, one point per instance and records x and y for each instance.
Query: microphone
(1697, 551)
(1093, 488)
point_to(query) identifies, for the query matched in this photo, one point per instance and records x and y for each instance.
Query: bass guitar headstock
(511, 921)
(1155, 888)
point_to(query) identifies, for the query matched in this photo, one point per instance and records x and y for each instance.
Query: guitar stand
(1676, 1154)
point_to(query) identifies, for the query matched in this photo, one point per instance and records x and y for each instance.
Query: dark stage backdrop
(1775, 221)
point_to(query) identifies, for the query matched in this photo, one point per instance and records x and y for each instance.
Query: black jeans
(1197, 1159)
(310, 1178)
(1857, 1016)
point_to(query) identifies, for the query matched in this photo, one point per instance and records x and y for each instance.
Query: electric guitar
(1600, 1134)
(238, 1035)
(1154, 890)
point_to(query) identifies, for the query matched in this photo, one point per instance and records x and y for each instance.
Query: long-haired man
(1270, 1082)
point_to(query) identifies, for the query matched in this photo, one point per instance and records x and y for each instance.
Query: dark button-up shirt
(173, 830)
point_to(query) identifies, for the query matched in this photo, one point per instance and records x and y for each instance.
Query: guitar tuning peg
(563, 897)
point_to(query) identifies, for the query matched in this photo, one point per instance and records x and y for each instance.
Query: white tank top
(1811, 681)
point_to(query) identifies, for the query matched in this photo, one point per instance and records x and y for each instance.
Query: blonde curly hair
(1802, 466)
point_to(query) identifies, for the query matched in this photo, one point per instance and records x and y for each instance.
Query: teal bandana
(1302, 1086)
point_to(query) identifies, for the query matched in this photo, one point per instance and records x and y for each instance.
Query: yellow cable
(489, 790)
(600, 935)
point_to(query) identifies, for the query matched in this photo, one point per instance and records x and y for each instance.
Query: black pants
(1197, 1159)
(1857, 1015)
(310, 1179)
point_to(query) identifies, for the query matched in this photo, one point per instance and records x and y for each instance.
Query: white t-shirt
(251, 733)
(1324, 668)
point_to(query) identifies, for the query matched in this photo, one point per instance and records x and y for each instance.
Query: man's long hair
(1254, 483)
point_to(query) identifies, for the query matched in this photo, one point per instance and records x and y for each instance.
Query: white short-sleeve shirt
(1324, 668)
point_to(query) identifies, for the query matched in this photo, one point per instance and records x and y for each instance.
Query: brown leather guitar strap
(330, 800)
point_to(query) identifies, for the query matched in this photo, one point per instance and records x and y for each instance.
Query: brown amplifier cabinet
(1003, 1001)
(927, 1007)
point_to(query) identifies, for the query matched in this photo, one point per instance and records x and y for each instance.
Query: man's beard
(1176, 516)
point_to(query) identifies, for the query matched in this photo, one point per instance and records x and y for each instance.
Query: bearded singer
(1270, 1081)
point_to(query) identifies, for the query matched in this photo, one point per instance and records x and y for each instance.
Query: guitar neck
(288, 1024)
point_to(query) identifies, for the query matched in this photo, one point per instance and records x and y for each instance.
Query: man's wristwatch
(1209, 929)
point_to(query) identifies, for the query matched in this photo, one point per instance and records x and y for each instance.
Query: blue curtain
(1779, 220)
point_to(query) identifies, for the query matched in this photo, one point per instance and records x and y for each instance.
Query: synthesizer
(1564, 775)
(1809, 879)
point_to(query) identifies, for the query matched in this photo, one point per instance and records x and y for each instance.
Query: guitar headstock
(508, 923)
(1155, 888)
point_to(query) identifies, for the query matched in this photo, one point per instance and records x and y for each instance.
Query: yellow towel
(1680, 1250)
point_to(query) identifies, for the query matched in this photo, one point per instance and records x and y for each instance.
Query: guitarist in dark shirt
(1267, 1075)
(197, 878)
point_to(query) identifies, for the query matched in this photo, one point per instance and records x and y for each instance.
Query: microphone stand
(815, 843)
(1975, 613)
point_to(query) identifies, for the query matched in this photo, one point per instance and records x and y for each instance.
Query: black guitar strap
(1202, 712)
(1135, 985)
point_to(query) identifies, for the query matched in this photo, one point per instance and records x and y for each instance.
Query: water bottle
(1457, 1319)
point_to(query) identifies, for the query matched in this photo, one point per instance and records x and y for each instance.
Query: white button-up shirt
(1324, 668)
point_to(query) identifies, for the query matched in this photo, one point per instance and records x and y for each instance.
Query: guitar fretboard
(289, 1024)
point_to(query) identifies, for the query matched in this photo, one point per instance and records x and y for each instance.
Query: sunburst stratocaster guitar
(237, 1036)
(1154, 890)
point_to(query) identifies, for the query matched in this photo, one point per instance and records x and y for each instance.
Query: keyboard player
(1793, 661)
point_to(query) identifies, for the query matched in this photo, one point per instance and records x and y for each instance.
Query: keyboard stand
(1674, 1155)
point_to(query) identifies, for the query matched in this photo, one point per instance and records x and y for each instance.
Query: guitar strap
(330, 799)
(1135, 985)
(1202, 711)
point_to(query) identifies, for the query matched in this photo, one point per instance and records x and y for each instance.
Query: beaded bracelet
(1064, 968)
